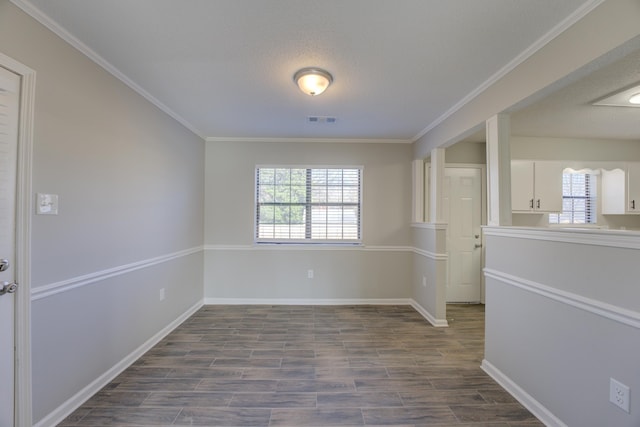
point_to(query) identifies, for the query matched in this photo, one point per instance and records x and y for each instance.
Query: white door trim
(24, 208)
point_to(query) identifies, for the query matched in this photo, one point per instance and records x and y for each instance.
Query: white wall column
(436, 211)
(418, 213)
(436, 183)
(498, 170)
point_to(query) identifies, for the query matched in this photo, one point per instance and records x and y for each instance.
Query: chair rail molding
(87, 279)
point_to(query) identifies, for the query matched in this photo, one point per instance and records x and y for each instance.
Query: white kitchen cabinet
(633, 187)
(536, 186)
(621, 190)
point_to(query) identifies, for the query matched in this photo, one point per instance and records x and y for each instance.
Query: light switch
(47, 204)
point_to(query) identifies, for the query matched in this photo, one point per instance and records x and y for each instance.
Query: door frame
(24, 208)
(483, 214)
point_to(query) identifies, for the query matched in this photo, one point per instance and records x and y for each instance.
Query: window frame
(307, 241)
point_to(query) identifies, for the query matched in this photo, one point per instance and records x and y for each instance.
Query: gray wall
(429, 283)
(549, 352)
(130, 181)
(563, 317)
(236, 268)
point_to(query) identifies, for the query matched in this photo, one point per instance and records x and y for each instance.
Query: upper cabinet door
(522, 197)
(536, 186)
(548, 186)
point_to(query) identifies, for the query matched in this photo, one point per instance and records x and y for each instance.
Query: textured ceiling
(224, 67)
(569, 110)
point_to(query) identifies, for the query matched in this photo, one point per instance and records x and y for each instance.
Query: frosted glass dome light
(313, 81)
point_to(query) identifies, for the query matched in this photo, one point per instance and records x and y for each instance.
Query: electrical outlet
(309, 274)
(161, 294)
(619, 394)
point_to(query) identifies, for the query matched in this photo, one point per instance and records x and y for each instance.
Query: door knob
(8, 288)
(4, 264)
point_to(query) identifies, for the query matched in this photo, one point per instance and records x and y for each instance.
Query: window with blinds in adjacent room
(578, 200)
(308, 204)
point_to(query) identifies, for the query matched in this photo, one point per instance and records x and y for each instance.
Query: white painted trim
(535, 407)
(313, 247)
(307, 247)
(430, 225)
(570, 20)
(42, 18)
(438, 323)
(74, 402)
(312, 140)
(388, 249)
(431, 255)
(342, 301)
(599, 308)
(23, 399)
(76, 282)
(307, 301)
(230, 247)
(626, 239)
(38, 15)
(418, 193)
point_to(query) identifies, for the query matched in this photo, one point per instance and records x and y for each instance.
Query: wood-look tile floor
(310, 366)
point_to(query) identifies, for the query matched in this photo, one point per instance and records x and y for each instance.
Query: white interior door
(9, 100)
(463, 212)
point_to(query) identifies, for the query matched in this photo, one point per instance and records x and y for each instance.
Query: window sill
(306, 244)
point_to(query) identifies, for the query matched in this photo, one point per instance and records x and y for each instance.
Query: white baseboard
(438, 323)
(535, 407)
(307, 301)
(340, 301)
(73, 403)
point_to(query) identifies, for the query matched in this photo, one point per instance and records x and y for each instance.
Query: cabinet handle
(531, 203)
(538, 204)
(633, 204)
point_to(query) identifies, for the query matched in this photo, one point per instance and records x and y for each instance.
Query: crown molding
(49, 23)
(312, 140)
(57, 29)
(565, 24)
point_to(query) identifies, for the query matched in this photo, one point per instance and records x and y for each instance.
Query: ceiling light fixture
(625, 97)
(312, 81)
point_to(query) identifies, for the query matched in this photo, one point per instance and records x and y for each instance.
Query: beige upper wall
(230, 186)
(608, 26)
(574, 149)
(466, 152)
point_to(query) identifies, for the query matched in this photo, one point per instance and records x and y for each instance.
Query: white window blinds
(578, 200)
(308, 205)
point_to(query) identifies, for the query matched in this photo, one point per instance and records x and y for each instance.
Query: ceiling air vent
(321, 119)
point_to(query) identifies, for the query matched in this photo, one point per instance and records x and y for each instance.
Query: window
(578, 200)
(308, 205)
